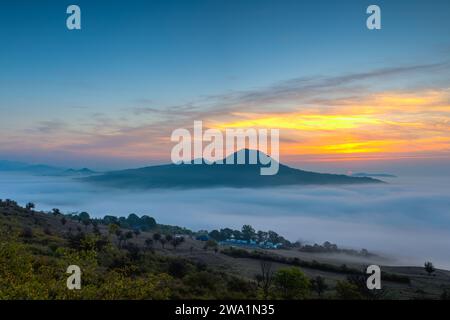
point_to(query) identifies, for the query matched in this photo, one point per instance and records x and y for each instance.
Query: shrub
(26, 233)
(291, 283)
(178, 268)
(347, 291)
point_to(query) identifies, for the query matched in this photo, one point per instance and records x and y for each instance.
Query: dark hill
(230, 175)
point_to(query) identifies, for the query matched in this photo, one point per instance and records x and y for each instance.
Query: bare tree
(319, 285)
(265, 278)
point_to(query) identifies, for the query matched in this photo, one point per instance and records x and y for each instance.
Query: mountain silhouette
(41, 169)
(218, 175)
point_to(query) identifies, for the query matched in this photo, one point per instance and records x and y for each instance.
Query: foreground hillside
(152, 261)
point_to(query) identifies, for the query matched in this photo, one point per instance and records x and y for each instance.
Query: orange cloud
(381, 125)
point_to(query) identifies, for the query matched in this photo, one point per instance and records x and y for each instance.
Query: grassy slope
(49, 234)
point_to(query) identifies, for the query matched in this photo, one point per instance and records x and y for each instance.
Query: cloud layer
(408, 221)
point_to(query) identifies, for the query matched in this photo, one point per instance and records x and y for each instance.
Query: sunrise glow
(381, 125)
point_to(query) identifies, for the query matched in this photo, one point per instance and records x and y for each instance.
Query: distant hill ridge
(376, 175)
(217, 175)
(42, 169)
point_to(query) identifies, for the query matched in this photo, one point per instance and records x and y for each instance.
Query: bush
(26, 233)
(347, 291)
(47, 231)
(291, 283)
(178, 268)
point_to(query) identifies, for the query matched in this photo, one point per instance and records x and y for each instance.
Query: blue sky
(160, 54)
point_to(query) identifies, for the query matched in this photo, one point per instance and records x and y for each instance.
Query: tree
(176, 242)
(112, 228)
(216, 235)
(147, 223)
(262, 236)
(123, 222)
(133, 251)
(168, 237)
(319, 285)
(56, 211)
(110, 220)
(86, 223)
(83, 216)
(291, 283)
(225, 233)
(210, 244)
(30, 206)
(273, 236)
(157, 237)
(178, 268)
(237, 234)
(264, 280)
(248, 233)
(121, 238)
(149, 243)
(96, 230)
(163, 242)
(128, 235)
(63, 221)
(133, 220)
(429, 268)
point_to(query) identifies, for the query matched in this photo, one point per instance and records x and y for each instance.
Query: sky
(109, 95)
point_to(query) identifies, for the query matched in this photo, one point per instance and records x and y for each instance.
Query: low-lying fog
(406, 220)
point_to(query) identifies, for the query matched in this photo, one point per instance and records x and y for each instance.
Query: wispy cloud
(304, 88)
(351, 115)
(48, 127)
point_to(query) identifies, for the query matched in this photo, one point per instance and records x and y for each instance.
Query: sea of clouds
(406, 220)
